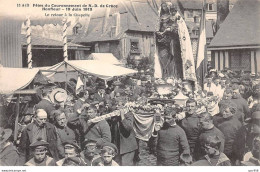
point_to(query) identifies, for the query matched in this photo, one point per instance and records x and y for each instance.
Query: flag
(79, 85)
(201, 51)
(188, 65)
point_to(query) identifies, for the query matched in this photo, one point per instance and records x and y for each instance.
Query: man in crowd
(64, 133)
(172, 142)
(246, 135)
(230, 127)
(90, 152)
(124, 136)
(9, 155)
(213, 157)
(190, 124)
(99, 131)
(208, 129)
(78, 106)
(38, 129)
(241, 103)
(71, 149)
(40, 148)
(46, 103)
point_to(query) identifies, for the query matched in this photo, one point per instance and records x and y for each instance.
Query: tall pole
(64, 37)
(29, 42)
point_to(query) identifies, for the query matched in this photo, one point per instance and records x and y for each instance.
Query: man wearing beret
(9, 155)
(38, 128)
(40, 148)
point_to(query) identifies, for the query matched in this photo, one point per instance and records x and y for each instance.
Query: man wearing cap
(38, 128)
(213, 157)
(71, 149)
(40, 148)
(108, 152)
(9, 155)
(46, 103)
(90, 152)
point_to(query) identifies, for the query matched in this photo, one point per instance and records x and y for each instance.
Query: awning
(12, 79)
(104, 57)
(96, 68)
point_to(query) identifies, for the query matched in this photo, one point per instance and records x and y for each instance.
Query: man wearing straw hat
(8, 153)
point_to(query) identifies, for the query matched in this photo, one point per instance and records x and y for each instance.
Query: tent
(96, 68)
(13, 79)
(105, 57)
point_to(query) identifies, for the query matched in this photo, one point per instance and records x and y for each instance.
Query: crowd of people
(217, 125)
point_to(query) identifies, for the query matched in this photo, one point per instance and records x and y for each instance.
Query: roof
(22, 77)
(191, 4)
(41, 41)
(193, 25)
(105, 57)
(241, 27)
(133, 17)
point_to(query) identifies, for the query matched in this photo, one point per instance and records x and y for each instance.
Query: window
(134, 46)
(210, 7)
(189, 13)
(240, 60)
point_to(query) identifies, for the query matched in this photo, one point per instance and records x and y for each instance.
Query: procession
(149, 100)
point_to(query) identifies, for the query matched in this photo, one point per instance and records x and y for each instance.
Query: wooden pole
(29, 42)
(64, 38)
(17, 118)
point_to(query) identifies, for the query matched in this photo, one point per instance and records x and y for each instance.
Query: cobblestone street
(146, 159)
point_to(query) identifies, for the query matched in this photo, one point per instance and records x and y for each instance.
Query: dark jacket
(172, 141)
(200, 152)
(242, 106)
(191, 126)
(128, 141)
(229, 128)
(9, 156)
(27, 137)
(98, 131)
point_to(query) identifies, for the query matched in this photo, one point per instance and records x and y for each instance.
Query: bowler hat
(5, 134)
